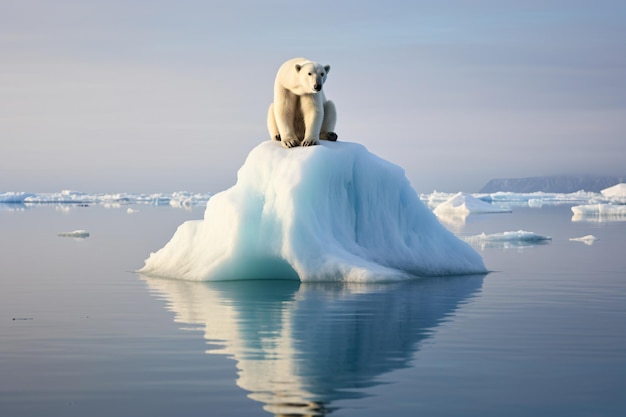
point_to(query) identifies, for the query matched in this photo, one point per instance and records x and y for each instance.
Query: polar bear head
(312, 75)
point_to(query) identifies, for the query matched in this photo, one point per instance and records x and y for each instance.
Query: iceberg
(618, 190)
(616, 193)
(333, 212)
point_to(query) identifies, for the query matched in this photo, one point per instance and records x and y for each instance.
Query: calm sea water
(82, 335)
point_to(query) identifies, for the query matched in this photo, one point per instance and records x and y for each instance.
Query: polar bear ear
(327, 68)
(298, 67)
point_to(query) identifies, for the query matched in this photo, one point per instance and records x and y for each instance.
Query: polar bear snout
(317, 87)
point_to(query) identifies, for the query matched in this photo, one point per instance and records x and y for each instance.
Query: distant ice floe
(454, 211)
(599, 212)
(587, 240)
(508, 200)
(464, 204)
(520, 238)
(180, 199)
(77, 234)
(613, 208)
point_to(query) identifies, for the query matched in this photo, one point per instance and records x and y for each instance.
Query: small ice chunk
(587, 240)
(78, 234)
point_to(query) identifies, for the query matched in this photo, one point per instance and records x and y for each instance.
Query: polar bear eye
(309, 73)
(322, 74)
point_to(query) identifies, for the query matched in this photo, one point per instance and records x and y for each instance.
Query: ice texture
(333, 212)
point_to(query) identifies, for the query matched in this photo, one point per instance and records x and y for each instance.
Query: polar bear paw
(310, 142)
(331, 136)
(291, 143)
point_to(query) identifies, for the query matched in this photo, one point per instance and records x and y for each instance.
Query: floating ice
(539, 199)
(329, 212)
(519, 238)
(177, 199)
(600, 211)
(78, 234)
(462, 204)
(587, 240)
(14, 198)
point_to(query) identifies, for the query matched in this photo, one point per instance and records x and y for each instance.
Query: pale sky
(154, 95)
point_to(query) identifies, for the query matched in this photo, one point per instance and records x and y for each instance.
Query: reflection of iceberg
(329, 212)
(518, 239)
(300, 347)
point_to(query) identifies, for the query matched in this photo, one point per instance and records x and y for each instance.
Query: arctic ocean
(541, 334)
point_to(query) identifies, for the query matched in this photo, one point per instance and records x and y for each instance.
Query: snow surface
(463, 203)
(329, 212)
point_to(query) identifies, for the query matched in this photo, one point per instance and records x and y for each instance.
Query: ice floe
(516, 239)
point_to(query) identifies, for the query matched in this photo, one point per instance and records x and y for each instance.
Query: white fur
(300, 113)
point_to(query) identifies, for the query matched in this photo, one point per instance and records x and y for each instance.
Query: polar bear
(300, 113)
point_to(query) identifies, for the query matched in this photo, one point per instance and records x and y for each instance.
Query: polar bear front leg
(285, 104)
(313, 112)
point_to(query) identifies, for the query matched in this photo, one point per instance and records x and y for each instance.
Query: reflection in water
(300, 347)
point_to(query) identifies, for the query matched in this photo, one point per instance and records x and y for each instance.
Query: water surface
(82, 334)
